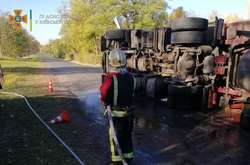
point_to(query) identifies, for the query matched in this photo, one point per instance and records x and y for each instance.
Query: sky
(203, 8)
(42, 9)
(41, 31)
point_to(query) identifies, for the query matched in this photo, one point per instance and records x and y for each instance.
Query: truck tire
(156, 87)
(242, 78)
(210, 35)
(188, 37)
(104, 63)
(119, 34)
(189, 24)
(182, 97)
(245, 119)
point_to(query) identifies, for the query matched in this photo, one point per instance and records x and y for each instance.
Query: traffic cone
(50, 89)
(62, 118)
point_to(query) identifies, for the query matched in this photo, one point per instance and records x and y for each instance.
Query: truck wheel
(190, 24)
(150, 87)
(104, 63)
(245, 119)
(119, 34)
(156, 87)
(188, 37)
(182, 97)
(210, 35)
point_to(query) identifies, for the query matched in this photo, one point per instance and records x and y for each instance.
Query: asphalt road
(161, 135)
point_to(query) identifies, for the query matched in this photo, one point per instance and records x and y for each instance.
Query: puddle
(156, 127)
(143, 158)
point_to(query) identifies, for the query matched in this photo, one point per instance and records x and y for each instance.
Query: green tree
(85, 21)
(88, 20)
(232, 18)
(177, 13)
(144, 14)
(15, 43)
(57, 48)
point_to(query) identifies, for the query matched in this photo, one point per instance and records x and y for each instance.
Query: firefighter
(117, 91)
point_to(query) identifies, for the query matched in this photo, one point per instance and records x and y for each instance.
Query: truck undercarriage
(192, 63)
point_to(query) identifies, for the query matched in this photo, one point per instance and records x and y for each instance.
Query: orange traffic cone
(50, 89)
(62, 118)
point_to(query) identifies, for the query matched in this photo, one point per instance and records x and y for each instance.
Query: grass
(23, 139)
(17, 81)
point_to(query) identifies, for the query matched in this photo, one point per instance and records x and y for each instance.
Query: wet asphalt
(161, 135)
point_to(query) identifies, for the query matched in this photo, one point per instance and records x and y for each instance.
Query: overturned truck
(192, 63)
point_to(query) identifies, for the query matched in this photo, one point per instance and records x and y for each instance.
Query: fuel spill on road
(163, 135)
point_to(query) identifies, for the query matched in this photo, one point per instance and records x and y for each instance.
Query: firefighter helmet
(117, 58)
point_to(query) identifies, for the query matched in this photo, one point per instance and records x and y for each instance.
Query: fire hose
(46, 125)
(113, 133)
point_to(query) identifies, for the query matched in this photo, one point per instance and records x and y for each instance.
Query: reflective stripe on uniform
(116, 158)
(128, 155)
(118, 108)
(115, 90)
(119, 113)
(112, 147)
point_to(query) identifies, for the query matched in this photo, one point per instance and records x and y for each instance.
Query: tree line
(15, 43)
(85, 21)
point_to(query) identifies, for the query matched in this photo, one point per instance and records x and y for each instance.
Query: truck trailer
(193, 63)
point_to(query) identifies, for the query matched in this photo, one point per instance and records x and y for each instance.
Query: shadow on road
(23, 139)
